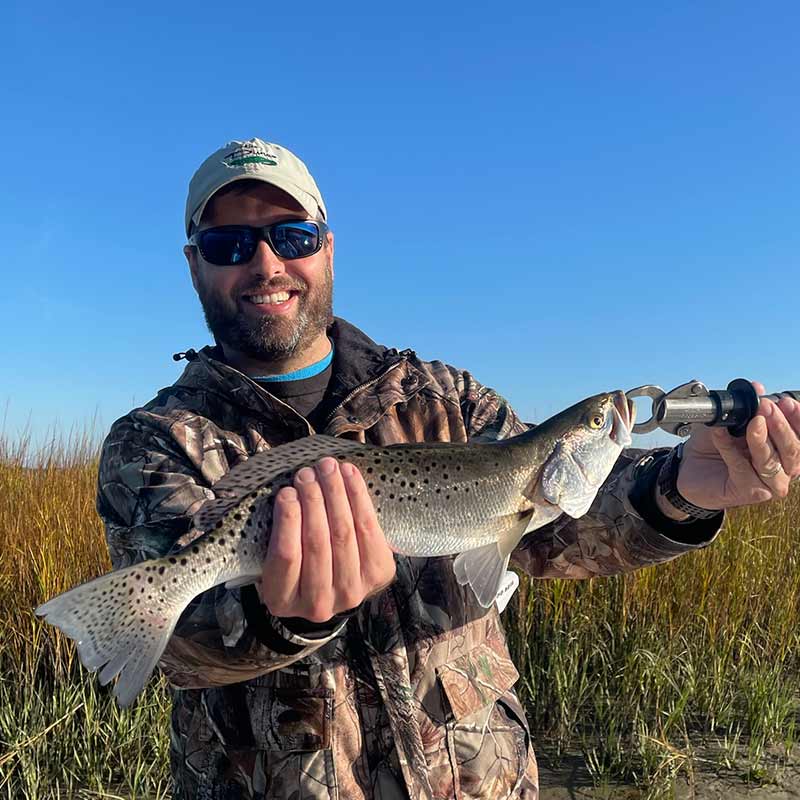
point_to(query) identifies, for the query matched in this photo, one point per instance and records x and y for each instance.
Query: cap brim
(306, 200)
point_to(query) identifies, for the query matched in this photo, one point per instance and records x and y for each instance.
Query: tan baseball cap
(258, 160)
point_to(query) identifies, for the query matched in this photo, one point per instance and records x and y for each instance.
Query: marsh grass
(637, 669)
(634, 671)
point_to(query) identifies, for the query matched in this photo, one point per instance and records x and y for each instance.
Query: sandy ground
(779, 779)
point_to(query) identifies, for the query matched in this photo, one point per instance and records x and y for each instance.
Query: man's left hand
(720, 471)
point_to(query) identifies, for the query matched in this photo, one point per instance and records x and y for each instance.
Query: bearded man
(351, 671)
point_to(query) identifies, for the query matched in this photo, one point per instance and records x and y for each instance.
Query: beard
(270, 338)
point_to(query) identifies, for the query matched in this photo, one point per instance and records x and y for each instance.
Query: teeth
(267, 299)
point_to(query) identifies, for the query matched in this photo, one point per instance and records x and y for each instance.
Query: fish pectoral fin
(485, 567)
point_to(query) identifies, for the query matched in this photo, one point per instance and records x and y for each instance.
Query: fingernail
(347, 469)
(288, 495)
(326, 466)
(306, 475)
(768, 408)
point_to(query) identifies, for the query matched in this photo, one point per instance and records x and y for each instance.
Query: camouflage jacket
(412, 695)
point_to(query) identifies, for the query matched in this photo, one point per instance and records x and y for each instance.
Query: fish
(473, 500)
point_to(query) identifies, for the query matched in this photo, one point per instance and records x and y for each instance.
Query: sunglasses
(230, 245)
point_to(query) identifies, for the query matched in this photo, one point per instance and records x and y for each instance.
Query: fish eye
(596, 421)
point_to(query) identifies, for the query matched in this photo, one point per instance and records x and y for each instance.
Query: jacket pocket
(487, 735)
(275, 742)
(291, 719)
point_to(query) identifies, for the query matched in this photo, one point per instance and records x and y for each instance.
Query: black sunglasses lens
(227, 247)
(295, 239)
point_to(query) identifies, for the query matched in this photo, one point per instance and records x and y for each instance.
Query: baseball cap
(254, 159)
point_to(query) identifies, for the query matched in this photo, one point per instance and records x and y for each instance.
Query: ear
(190, 251)
(330, 248)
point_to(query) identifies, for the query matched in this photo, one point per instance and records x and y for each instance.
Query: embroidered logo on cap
(250, 153)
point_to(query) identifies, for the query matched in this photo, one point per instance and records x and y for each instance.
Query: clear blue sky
(562, 198)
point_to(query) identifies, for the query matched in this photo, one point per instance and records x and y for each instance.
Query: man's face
(233, 297)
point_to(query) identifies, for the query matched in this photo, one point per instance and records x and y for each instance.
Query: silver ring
(772, 473)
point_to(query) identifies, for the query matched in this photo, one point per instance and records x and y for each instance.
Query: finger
(742, 481)
(791, 410)
(759, 387)
(786, 442)
(345, 559)
(281, 572)
(377, 561)
(315, 574)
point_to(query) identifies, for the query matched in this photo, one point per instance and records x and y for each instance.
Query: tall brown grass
(632, 671)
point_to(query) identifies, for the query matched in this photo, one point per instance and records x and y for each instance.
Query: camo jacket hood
(412, 697)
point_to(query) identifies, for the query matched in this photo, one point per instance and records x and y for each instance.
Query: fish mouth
(624, 415)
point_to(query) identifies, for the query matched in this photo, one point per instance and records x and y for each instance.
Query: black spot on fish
(161, 570)
(173, 561)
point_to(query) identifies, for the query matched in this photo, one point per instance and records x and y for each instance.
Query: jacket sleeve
(623, 530)
(147, 495)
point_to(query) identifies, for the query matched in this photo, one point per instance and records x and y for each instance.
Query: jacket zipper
(353, 392)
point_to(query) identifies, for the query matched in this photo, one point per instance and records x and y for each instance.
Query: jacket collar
(359, 364)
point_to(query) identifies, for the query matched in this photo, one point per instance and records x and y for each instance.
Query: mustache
(280, 285)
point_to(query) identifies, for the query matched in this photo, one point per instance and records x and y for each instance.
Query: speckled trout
(474, 500)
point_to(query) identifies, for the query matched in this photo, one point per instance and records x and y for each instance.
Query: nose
(265, 263)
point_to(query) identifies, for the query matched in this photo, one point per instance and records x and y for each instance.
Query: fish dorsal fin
(265, 466)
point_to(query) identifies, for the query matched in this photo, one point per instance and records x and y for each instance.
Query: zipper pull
(189, 355)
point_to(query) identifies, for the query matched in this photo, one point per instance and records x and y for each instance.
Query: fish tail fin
(485, 567)
(122, 622)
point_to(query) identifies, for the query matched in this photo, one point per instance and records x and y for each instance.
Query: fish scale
(473, 500)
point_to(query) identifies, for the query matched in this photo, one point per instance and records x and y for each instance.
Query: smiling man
(352, 672)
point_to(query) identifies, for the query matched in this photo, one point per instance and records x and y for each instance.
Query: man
(350, 672)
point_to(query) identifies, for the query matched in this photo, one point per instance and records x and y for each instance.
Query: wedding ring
(772, 473)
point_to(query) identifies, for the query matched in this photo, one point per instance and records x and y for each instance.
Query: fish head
(587, 441)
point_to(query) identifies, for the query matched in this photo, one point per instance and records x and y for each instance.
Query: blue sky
(561, 198)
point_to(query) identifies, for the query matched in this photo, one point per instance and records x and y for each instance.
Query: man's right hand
(327, 551)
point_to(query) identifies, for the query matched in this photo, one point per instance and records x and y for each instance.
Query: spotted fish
(474, 501)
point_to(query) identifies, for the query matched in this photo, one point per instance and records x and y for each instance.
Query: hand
(721, 471)
(327, 552)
